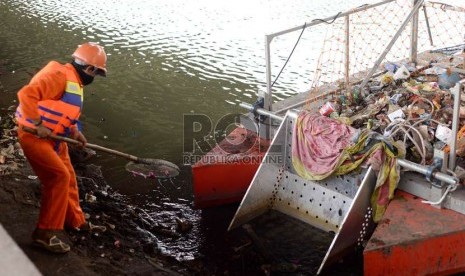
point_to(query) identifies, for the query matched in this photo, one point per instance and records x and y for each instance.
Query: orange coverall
(59, 191)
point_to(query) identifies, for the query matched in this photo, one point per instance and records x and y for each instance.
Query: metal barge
(422, 231)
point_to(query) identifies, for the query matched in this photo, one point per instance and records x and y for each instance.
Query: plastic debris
(402, 73)
(90, 198)
(443, 133)
(436, 70)
(448, 79)
(398, 114)
(327, 109)
(459, 172)
(11, 154)
(412, 106)
(391, 67)
(387, 79)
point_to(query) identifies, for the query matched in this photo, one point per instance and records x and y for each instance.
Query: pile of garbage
(411, 105)
(131, 231)
(11, 154)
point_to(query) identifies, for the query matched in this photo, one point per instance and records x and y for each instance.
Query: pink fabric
(320, 142)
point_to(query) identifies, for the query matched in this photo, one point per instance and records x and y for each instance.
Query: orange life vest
(58, 115)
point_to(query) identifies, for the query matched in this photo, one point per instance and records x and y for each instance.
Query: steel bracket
(436, 166)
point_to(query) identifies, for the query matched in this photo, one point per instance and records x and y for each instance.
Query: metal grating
(312, 202)
(338, 205)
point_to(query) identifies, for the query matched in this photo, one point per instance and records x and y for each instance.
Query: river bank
(129, 246)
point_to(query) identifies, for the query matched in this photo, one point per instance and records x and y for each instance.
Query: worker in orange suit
(52, 103)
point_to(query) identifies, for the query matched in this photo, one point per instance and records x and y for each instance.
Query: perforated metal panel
(337, 204)
(320, 205)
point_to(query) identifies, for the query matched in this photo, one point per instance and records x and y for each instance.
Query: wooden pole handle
(88, 145)
(95, 147)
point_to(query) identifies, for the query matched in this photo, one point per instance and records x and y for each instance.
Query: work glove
(43, 132)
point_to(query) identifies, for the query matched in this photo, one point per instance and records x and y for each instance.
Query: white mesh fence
(344, 50)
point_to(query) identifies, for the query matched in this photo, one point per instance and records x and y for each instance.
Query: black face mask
(85, 79)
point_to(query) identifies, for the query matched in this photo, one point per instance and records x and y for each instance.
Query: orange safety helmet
(92, 54)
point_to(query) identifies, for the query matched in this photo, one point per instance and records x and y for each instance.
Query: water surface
(166, 59)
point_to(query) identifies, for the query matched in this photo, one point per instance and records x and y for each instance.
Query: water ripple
(166, 58)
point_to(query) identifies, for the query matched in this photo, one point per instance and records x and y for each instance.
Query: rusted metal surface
(416, 239)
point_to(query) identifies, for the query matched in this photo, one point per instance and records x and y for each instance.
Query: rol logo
(202, 134)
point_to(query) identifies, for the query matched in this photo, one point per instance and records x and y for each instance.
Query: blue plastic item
(391, 67)
(447, 81)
